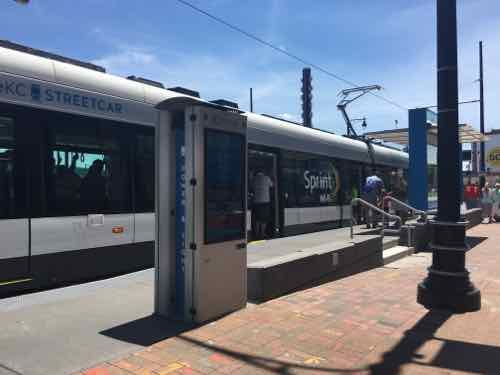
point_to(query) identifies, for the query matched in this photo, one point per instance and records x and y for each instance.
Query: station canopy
(467, 134)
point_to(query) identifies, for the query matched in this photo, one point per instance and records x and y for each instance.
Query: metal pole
(481, 105)
(448, 146)
(447, 285)
(251, 99)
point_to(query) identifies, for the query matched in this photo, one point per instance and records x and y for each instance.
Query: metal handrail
(355, 201)
(432, 212)
(423, 214)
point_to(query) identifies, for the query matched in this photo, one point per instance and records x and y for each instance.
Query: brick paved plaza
(364, 324)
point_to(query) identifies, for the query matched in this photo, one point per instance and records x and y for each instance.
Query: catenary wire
(281, 50)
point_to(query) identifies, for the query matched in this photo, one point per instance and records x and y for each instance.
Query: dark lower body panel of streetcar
(64, 268)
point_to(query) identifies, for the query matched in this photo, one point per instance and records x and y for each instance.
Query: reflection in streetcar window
(7, 198)
(80, 163)
(86, 170)
(7, 192)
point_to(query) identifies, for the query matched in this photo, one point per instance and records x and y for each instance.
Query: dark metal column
(306, 97)
(481, 106)
(448, 285)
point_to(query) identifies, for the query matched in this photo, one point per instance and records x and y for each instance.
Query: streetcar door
(263, 163)
(14, 224)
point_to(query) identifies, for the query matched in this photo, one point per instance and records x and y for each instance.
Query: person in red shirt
(469, 194)
(475, 195)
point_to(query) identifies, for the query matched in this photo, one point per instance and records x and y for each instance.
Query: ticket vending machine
(201, 204)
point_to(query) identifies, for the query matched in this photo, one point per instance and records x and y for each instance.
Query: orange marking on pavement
(314, 361)
(219, 358)
(144, 371)
(170, 368)
(97, 371)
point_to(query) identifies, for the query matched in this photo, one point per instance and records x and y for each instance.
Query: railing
(384, 214)
(423, 214)
(432, 212)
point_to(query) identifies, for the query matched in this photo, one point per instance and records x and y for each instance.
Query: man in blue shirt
(371, 193)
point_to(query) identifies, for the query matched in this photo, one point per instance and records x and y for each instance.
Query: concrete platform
(279, 266)
(63, 330)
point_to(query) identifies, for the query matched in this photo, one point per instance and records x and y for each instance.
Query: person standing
(93, 188)
(495, 192)
(468, 194)
(399, 191)
(261, 185)
(371, 193)
(476, 195)
(356, 212)
(487, 201)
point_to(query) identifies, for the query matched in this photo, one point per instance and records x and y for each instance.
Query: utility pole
(481, 113)
(447, 285)
(251, 99)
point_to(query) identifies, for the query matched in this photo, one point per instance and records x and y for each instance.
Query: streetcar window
(399, 185)
(87, 171)
(145, 172)
(394, 181)
(6, 130)
(351, 181)
(288, 180)
(224, 186)
(7, 190)
(80, 163)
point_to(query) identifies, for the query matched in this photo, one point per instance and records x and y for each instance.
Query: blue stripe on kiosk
(180, 219)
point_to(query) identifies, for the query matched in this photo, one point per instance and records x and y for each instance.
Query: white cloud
(289, 117)
(214, 77)
(125, 59)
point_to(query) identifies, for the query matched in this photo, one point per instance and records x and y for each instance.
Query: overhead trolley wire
(283, 51)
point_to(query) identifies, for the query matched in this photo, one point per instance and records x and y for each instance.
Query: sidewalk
(364, 324)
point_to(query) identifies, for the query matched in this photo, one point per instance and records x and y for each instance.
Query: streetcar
(77, 164)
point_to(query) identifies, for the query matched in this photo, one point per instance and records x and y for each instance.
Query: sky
(391, 43)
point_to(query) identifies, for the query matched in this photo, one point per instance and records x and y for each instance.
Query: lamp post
(481, 115)
(447, 284)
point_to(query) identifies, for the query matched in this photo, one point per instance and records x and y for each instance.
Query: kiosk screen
(224, 186)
